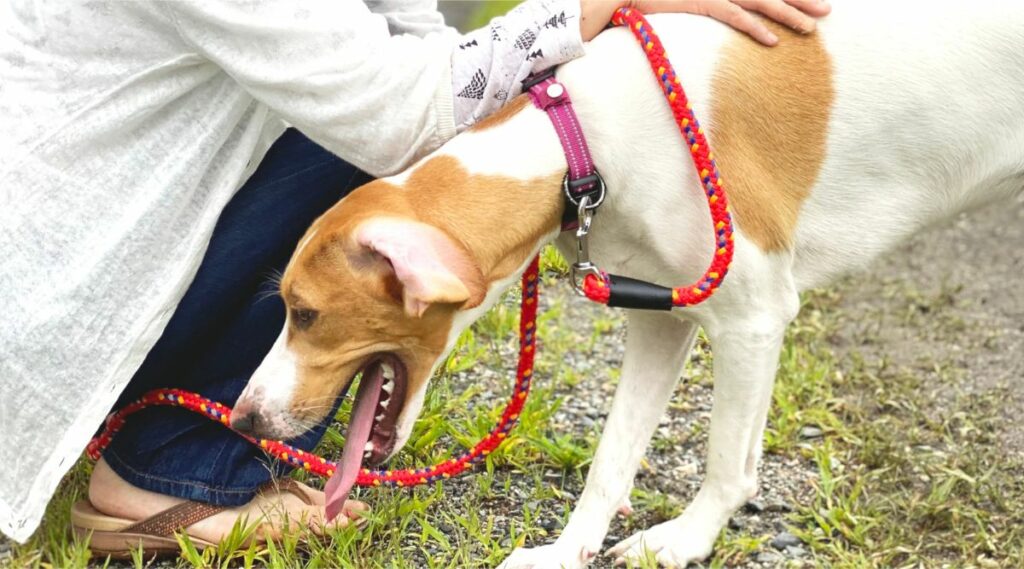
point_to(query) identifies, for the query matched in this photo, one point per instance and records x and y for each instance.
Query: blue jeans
(226, 322)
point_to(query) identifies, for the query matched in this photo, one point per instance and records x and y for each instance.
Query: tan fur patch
(769, 122)
(498, 220)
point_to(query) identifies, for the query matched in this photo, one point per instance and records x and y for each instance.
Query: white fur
(271, 386)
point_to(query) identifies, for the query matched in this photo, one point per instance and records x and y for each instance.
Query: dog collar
(582, 179)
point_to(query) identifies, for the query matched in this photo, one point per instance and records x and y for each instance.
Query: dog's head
(364, 290)
(386, 280)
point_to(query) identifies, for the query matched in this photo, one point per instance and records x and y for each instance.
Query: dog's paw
(670, 544)
(553, 556)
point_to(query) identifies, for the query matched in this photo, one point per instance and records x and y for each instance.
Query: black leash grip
(625, 292)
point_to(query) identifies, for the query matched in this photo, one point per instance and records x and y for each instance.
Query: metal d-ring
(599, 190)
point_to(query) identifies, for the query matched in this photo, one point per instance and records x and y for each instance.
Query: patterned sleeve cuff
(489, 64)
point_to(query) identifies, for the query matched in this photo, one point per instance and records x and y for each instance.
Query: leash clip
(582, 267)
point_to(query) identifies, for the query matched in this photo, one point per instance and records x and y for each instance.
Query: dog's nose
(245, 422)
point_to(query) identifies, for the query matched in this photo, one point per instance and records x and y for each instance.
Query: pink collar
(582, 178)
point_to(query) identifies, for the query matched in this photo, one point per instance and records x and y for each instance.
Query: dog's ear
(429, 265)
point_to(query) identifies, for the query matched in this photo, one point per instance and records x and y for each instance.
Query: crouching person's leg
(202, 475)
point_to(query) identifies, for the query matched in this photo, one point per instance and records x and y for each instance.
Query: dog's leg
(656, 348)
(746, 351)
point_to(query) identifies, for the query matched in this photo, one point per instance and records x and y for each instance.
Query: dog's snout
(246, 417)
(245, 422)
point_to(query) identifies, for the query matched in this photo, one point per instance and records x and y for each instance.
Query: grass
(895, 484)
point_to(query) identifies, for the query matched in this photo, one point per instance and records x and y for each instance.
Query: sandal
(119, 538)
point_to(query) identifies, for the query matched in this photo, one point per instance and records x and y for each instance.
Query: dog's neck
(497, 191)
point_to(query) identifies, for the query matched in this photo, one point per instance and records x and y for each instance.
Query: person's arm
(332, 69)
(489, 64)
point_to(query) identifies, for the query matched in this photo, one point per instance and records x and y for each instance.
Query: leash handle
(620, 291)
(322, 467)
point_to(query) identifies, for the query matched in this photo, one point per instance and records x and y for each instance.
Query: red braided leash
(325, 468)
(598, 289)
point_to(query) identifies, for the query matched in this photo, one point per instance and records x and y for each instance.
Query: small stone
(811, 432)
(688, 469)
(784, 540)
(550, 524)
(611, 540)
(987, 562)
(735, 524)
(795, 551)
(768, 557)
(754, 507)
(779, 507)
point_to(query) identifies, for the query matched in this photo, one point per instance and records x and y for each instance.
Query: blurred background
(471, 14)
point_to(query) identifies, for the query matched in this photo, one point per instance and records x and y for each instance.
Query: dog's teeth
(384, 404)
(389, 387)
(379, 418)
(388, 371)
(368, 447)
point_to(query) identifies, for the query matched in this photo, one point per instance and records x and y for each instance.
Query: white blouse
(126, 128)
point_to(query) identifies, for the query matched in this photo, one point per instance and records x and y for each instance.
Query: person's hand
(797, 14)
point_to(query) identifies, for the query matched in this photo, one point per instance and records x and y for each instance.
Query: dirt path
(951, 299)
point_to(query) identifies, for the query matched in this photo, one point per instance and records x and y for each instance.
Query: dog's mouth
(371, 429)
(393, 380)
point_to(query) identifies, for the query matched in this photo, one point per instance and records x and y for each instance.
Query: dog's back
(834, 146)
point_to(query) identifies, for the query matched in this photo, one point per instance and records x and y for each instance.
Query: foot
(275, 511)
(688, 538)
(554, 556)
(671, 544)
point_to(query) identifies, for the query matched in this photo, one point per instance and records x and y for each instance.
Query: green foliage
(487, 10)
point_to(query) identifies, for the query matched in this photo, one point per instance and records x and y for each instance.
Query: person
(160, 161)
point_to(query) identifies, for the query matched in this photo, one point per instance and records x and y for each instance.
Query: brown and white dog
(834, 147)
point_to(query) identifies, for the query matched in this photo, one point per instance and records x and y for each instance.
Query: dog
(834, 147)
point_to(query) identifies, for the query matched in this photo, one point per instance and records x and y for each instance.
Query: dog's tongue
(359, 427)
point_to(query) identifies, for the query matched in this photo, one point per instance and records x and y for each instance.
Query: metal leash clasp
(582, 267)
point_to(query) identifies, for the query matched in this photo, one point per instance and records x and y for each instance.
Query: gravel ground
(952, 295)
(673, 466)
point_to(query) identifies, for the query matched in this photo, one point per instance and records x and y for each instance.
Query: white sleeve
(489, 64)
(333, 69)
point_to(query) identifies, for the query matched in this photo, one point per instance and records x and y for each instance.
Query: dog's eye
(303, 317)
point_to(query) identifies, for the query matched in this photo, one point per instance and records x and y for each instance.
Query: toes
(354, 511)
(625, 545)
(666, 558)
(354, 507)
(553, 556)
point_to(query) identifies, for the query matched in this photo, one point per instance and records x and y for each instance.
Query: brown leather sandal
(118, 537)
